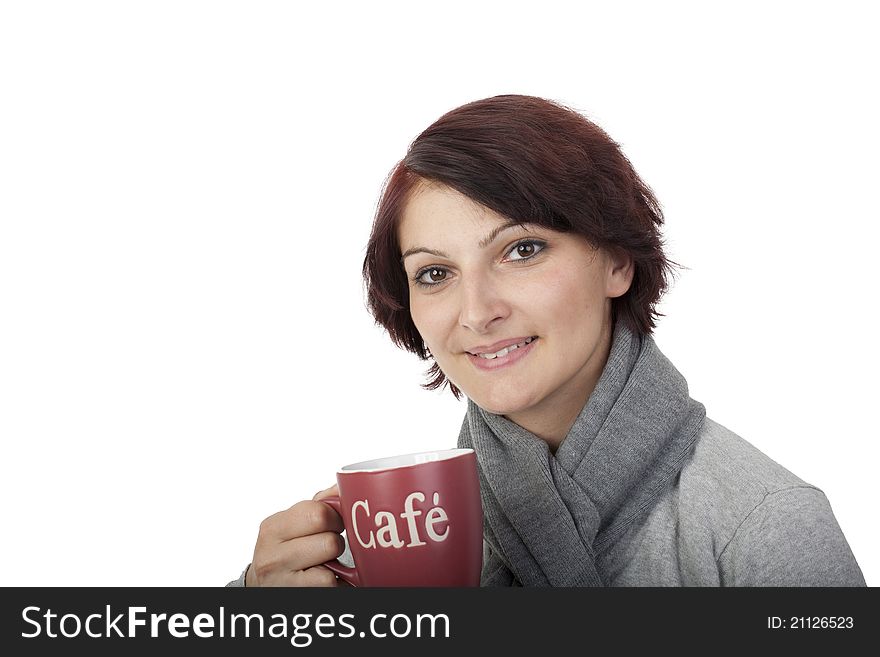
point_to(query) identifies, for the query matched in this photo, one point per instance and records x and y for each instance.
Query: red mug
(411, 520)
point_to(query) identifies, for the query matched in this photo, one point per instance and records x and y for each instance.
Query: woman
(516, 248)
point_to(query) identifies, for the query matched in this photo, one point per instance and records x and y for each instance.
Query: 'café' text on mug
(412, 520)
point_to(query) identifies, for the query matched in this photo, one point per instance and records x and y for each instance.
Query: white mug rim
(399, 461)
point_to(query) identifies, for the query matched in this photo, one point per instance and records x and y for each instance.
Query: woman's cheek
(428, 322)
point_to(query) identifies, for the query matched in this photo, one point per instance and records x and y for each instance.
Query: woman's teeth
(503, 352)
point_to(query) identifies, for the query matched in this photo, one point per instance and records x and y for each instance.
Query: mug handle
(350, 575)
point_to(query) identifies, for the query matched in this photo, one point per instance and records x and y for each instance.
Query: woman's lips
(500, 362)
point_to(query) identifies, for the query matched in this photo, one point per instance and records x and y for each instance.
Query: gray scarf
(547, 516)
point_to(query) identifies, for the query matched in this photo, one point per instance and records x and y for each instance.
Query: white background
(186, 190)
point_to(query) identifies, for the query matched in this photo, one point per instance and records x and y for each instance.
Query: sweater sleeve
(240, 581)
(790, 539)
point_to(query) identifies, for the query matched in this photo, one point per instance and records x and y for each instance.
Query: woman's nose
(482, 305)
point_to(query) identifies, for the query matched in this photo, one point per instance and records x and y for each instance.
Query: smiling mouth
(501, 353)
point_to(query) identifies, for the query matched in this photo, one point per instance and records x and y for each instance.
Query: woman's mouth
(503, 357)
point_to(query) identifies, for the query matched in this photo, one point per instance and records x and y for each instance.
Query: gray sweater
(734, 517)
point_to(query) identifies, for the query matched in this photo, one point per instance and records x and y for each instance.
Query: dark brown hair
(530, 160)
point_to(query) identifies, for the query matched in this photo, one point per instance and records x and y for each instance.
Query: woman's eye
(525, 250)
(431, 276)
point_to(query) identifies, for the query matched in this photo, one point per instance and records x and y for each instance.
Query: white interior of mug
(404, 460)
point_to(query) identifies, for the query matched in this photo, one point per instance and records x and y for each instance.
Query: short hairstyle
(531, 160)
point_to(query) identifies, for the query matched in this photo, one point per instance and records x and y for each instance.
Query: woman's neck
(552, 418)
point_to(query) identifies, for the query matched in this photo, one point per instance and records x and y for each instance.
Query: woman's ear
(619, 274)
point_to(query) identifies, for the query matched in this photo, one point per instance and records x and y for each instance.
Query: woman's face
(480, 285)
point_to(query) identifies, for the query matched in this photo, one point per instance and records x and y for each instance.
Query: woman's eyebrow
(486, 241)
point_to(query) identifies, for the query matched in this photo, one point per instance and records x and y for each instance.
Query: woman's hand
(292, 545)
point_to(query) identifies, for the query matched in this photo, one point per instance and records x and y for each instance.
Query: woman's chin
(499, 402)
